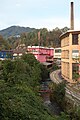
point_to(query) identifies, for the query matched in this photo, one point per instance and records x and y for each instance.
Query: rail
(73, 93)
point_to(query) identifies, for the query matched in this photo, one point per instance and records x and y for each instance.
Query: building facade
(57, 56)
(70, 55)
(42, 54)
(57, 53)
(6, 54)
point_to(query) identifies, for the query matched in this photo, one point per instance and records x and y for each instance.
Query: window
(74, 39)
(75, 53)
(58, 51)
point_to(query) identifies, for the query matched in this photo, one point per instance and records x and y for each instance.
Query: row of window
(65, 54)
(65, 41)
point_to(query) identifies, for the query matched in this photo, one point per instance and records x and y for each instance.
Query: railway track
(72, 92)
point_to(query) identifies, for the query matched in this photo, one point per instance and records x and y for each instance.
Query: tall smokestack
(72, 16)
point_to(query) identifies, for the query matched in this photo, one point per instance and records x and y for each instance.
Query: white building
(57, 53)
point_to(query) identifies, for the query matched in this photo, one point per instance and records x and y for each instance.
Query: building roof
(19, 51)
(67, 33)
(6, 50)
(39, 47)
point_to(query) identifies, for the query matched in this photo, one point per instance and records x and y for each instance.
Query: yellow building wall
(66, 55)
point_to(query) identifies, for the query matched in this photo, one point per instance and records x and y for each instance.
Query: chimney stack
(72, 16)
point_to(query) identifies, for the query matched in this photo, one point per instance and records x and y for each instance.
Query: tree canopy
(46, 38)
(19, 98)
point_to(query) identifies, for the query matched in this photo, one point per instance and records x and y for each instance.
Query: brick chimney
(72, 16)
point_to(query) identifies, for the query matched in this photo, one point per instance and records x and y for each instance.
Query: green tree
(58, 94)
(18, 99)
(35, 68)
(4, 45)
(44, 72)
(63, 116)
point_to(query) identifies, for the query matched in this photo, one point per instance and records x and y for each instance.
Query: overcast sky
(38, 13)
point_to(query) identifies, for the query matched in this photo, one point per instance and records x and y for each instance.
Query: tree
(44, 72)
(58, 94)
(30, 59)
(35, 69)
(47, 38)
(4, 45)
(76, 75)
(63, 117)
(18, 99)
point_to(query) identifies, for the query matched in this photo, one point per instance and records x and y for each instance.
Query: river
(54, 108)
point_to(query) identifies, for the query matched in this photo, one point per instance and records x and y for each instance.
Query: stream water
(54, 108)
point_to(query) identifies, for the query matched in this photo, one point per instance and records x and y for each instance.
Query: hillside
(47, 38)
(15, 35)
(14, 31)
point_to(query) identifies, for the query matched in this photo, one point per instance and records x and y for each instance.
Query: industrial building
(70, 55)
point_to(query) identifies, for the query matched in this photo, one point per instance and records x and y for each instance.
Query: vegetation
(15, 31)
(76, 75)
(58, 94)
(4, 45)
(20, 80)
(19, 99)
(55, 67)
(16, 35)
(70, 112)
(74, 113)
(47, 38)
(19, 85)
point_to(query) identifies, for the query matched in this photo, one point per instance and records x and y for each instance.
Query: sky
(38, 13)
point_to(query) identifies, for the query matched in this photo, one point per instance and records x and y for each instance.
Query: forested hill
(16, 35)
(14, 31)
(17, 30)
